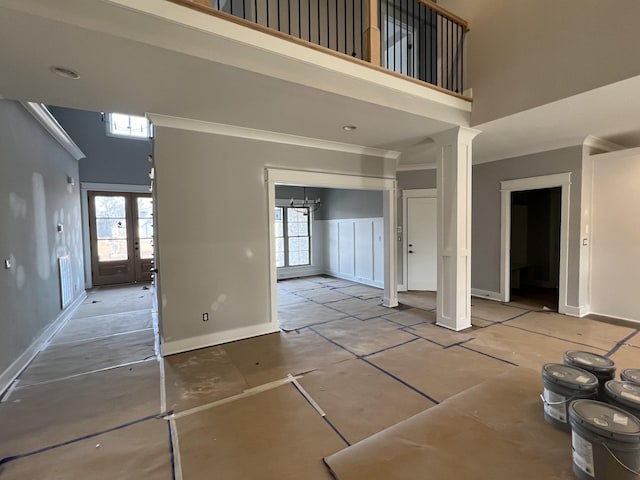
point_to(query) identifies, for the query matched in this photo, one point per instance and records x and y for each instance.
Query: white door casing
(562, 180)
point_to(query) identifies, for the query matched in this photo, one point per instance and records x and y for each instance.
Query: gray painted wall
(485, 254)
(212, 224)
(410, 180)
(109, 159)
(341, 203)
(36, 197)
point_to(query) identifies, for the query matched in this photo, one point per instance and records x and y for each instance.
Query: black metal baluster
(267, 7)
(394, 37)
(289, 16)
(337, 29)
(278, 8)
(299, 21)
(244, 12)
(362, 29)
(353, 28)
(231, 6)
(319, 22)
(344, 5)
(386, 30)
(255, 9)
(309, 19)
(401, 34)
(462, 61)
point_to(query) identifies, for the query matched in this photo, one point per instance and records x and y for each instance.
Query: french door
(121, 234)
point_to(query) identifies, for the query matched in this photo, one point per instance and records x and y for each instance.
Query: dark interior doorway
(535, 247)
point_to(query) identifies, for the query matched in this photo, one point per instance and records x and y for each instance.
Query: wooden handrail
(446, 13)
(203, 6)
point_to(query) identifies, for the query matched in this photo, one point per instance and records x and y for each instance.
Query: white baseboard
(9, 375)
(353, 278)
(402, 288)
(216, 338)
(615, 317)
(476, 292)
(454, 329)
(294, 272)
(575, 311)
(387, 302)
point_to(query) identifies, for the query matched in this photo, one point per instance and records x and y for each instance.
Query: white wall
(615, 257)
(354, 249)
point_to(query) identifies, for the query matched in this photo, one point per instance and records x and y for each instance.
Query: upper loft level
(417, 39)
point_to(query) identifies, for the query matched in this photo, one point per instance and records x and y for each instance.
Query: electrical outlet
(205, 317)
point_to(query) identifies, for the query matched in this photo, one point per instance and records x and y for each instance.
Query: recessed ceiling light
(349, 128)
(65, 72)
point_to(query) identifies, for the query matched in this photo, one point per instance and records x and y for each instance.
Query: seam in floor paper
(174, 446)
(554, 337)
(79, 318)
(69, 377)
(389, 348)
(408, 385)
(86, 340)
(247, 393)
(158, 416)
(489, 355)
(317, 408)
(621, 343)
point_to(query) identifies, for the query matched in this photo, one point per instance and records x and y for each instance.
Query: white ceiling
(135, 62)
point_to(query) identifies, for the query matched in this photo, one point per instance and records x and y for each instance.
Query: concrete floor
(98, 402)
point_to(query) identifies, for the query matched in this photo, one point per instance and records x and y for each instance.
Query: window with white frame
(128, 126)
(293, 236)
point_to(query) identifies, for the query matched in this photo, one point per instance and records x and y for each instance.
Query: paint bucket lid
(631, 375)
(605, 420)
(569, 377)
(626, 393)
(589, 361)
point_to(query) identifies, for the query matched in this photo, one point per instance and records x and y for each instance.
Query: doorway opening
(535, 247)
(121, 237)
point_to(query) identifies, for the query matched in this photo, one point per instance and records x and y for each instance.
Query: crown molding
(51, 125)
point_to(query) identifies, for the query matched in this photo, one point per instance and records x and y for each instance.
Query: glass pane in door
(145, 227)
(111, 228)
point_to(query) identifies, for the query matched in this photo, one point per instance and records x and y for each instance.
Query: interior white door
(422, 243)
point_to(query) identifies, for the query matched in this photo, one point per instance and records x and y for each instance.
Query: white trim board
(489, 295)
(19, 364)
(562, 180)
(51, 125)
(85, 188)
(409, 167)
(266, 136)
(187, 344)
(406, 194)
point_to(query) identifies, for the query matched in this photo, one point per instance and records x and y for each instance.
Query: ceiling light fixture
(349, 128)
(65, 72)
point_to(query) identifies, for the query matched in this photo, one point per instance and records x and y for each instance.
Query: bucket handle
(555, 403)
(637, 474)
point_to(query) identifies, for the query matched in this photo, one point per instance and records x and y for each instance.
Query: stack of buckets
(602, 414)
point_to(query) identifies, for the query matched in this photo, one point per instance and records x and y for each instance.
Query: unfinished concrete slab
(271, 357)
(59, 361)
(357, 398)
(87, 328)
(276, 434)
(364, 338)
(411, 316)
(139, 451)
(442, 372)
(457, 440)
(199, 377)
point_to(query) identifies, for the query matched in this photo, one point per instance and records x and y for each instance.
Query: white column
(454, 227)
(390, 257)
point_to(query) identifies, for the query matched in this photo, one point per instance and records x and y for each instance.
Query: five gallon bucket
(562, 384)
(605, 441)
(602, 367)
(625, 395)
(631, 375)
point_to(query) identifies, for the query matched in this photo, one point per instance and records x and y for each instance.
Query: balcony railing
(414, 38)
